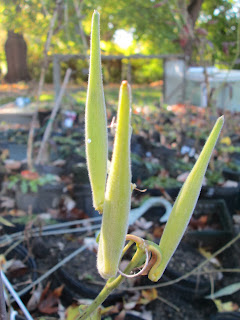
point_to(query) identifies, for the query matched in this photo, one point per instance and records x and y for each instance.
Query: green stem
(112, 284)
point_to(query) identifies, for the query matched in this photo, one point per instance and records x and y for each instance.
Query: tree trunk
(193, 11)
(16, 54)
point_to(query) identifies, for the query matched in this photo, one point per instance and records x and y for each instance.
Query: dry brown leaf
(16, 269)
(228, 306)
(199, 223)
(17, 213)
(148, 296)
(35, 298)
(158, 231)
(7, 202)
(49, 301)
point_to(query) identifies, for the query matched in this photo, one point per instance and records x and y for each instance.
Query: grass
(141, 96)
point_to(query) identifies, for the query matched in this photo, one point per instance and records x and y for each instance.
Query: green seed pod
(185, 203)
(96, 121)
(118, 193)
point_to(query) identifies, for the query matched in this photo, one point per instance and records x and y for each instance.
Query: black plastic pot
(75, 287)
(231, 174)
(83, 198)
(16, 151)
(128, 316)
(226, 316)
(43, 117)
(235, 156)
(47, 197)
(21, 253)
(173, 192)
(46, 169)
(231, 196)
(18, 317)
(184, 260)
(2, 175)
(16, 227)
(80, 174)
(219, 228)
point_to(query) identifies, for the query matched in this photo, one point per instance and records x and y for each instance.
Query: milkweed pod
(185, 203)
(96, 121)
(118, 193)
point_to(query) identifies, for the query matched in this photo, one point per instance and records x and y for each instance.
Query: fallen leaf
(158, 231)
(2, 261)
(12, 164)
(199, 223)
(208, 255)
(17, 213)
(148, 296)
(35, 298)
(16, 269)
(72, 312)
(49, 300)
(7, 202)
(225, 306)
(226, 291)
(5, 222)
(226, 140)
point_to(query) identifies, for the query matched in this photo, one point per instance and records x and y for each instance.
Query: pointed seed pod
(95, 121)
(118, 193)
(185, 203)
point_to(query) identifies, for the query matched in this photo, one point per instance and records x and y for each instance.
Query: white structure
(224, 86)
(174, 80)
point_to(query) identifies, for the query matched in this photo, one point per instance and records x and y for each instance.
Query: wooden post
(56, 76)
(122, 70)
(52, 117)
(129, 72)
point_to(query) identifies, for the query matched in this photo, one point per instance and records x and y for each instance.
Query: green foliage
(161, 182)
(214, 178)
(233, 166)
(30, 185)
(230, 149)
(146, 71)
(32, 19)
(220, 19)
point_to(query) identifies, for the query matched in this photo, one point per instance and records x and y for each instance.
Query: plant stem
(112, 284)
